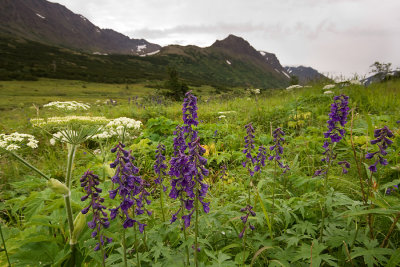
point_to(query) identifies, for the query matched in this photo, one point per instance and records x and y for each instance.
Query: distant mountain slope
(24, 59)
(43, 39)
(54, 24)
(234, 58)
(305, 74)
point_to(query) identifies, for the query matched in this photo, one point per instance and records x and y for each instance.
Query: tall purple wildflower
(249, 211)
(383, 141)
(337, 118)
(336, 123)
(277, 148)
(160, 166)
(222, 172)
(188, 166)
(90, 181)
(131, 188)
(259, 160)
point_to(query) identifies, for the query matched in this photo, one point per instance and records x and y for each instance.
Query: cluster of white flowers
(253, 91)
(293, 87)
(15, 140)
(124, 122)
(226, 112)
(54, 121)
(355, 82)
(67, 105)
(59, 136)
(118, 127)
(328, 92)
(328, 86)
(221, 117)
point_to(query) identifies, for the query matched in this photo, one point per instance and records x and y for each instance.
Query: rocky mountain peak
(237, 45)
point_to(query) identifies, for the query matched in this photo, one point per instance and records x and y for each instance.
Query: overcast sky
(333, 36)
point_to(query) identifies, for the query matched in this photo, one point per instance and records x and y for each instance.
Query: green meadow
(335, 219)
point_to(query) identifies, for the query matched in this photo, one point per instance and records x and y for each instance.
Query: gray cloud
(336, 36)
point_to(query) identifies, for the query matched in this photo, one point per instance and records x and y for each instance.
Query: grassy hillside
(26, 60)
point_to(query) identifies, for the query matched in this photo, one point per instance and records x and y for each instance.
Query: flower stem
(244, 246)
(124, 247)
(184, 234)
(67, 198)
(70, 161)
(196, 229)
(30, 166)
(356, 160)
(5, 248)
(70, 219)
(396, 219)
(273, 195)
(136, 244)
(325, 192)
(161, 202)
(103, 262)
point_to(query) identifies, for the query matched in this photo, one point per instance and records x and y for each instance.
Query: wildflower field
(299, 177)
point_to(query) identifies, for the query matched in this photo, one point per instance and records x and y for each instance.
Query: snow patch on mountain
(40, 16)
(150, 54)
(141, 47)
(287, 75)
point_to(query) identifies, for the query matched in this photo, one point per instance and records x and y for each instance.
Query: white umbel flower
(328, 86)
(119, 127)
(226, 112)
(67, 105)
(293, 87)
(16, 140)
(57, 121)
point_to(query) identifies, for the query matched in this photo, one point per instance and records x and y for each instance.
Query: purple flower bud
(129, 222)
(372, 168)
(141, 227)
(242, 232)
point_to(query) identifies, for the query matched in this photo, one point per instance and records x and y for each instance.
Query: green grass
(298, 195)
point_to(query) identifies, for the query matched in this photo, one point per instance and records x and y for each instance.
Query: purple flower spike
(336, 123)
(187, 169)
(277, 149)
(249, 211)
(383, 141)
(131, 188)
(257, 161)
(160, 166)
(90, 181)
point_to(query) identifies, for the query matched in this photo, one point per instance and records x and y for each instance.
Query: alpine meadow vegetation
(277, 177)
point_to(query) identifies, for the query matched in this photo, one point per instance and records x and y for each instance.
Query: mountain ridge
(305, 74)
(53, 23)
